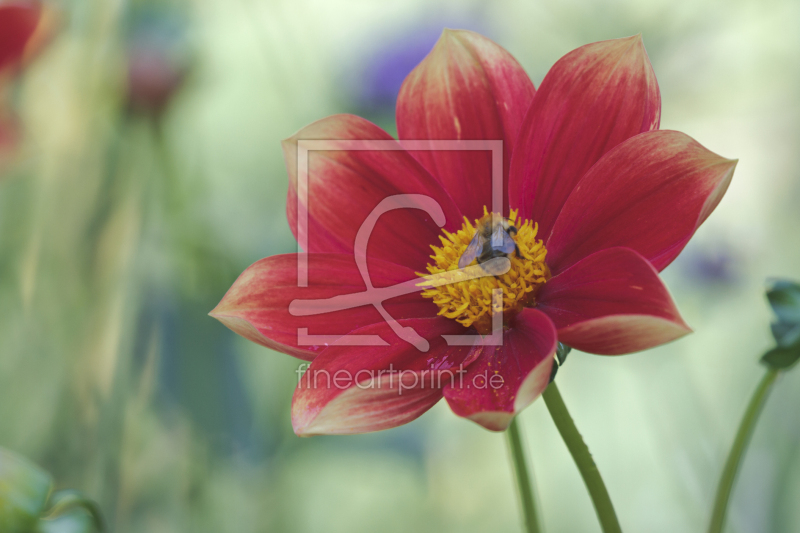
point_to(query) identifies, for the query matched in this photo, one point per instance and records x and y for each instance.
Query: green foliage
(782, 358)
(24, 489)
(73, 521)
(784, 297)
(26, 504)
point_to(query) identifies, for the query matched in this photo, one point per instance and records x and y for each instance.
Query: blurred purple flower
(714, 263)
(382, 72)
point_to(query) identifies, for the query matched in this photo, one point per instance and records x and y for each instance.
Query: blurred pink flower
(153, 78)
(158, 56)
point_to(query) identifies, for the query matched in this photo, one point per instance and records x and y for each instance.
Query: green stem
(737, 451)
(523, 478)
(583, 459)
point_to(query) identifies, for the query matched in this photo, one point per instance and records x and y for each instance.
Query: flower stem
(523, 478)
(583, 459)
(737, 450)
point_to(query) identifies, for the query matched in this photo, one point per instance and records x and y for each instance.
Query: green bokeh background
(119, 234)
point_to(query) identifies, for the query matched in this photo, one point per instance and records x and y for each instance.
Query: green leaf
(24, 489)
(782, 358)
(73, 521)
(66, 503)
(786, 334)
(784, 297)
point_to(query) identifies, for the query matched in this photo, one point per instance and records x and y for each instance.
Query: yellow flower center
(468, 299)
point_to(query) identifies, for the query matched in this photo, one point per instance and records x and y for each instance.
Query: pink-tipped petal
(378, 387)
(467, 88)
(592, 99)
(18, 22)
(259, 305)
(650, 194)
(346, 185)
(611, 303)
(505, 379)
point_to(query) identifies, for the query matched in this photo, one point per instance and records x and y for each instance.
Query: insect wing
(472, 252)
(496, 266)
(502, 241)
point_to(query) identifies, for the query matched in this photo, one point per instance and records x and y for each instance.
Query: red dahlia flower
(601, 200)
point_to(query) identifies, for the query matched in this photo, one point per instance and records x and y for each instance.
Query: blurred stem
(111, 190)
(520, 465)
(737, 450)
(172, 195)
(583, 459)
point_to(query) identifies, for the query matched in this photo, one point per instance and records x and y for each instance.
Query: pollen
(467, 299)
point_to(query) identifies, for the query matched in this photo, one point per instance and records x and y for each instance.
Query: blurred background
(148, 173)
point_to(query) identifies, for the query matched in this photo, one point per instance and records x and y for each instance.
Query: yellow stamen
(469, 301)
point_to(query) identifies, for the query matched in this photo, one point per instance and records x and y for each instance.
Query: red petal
(379, 387)
(467, 88)
(611, 303)
(650, 194)
(592, 99)
(344, 186)
(257, 306)
(505, 379)
(18, 21)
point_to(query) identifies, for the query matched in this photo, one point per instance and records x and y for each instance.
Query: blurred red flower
(18, 23)
(23, 30)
